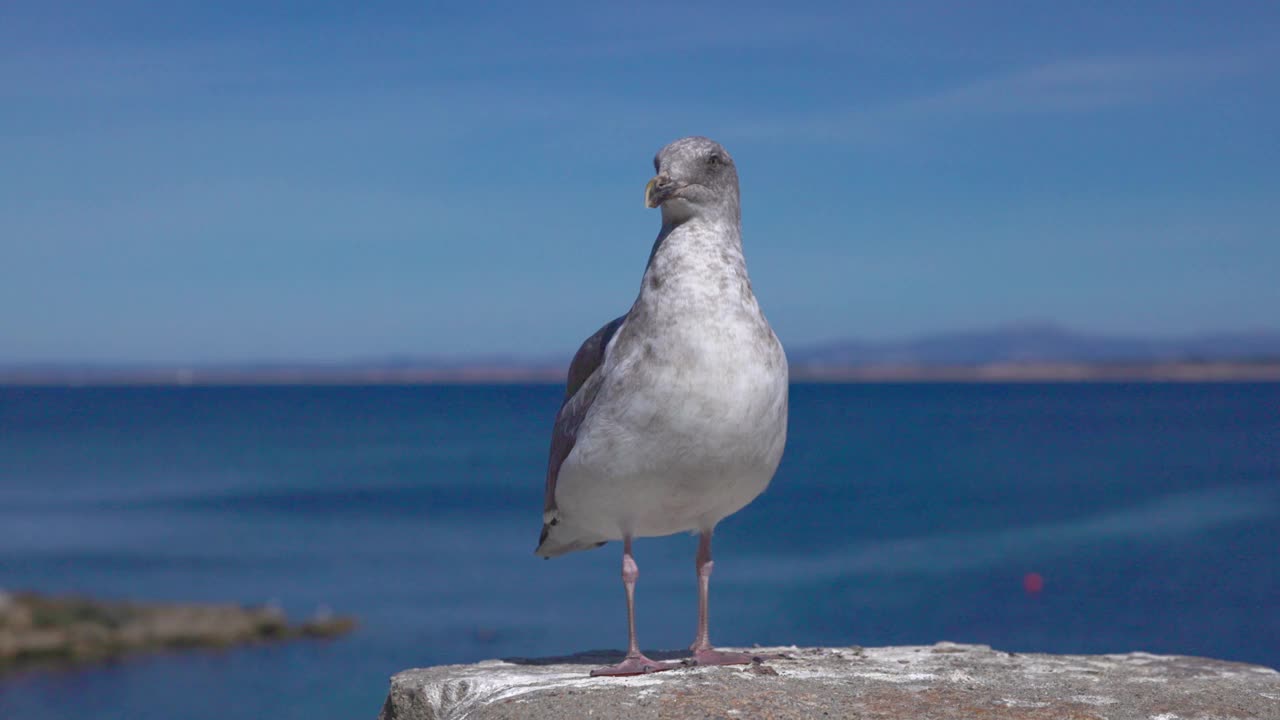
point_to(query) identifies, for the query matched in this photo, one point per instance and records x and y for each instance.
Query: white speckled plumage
(676, 412)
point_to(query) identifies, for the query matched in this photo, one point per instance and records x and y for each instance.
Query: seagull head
(696, 176)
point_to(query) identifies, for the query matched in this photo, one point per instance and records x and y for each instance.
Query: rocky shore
(54, 630)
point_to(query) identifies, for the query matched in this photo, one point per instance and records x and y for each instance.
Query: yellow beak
(649, 200)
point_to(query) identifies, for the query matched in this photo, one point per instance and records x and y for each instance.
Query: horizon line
(509, 358)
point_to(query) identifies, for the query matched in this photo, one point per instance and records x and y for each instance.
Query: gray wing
(583, 384)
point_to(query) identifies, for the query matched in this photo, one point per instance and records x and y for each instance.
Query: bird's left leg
(703, 652)
(635, 663)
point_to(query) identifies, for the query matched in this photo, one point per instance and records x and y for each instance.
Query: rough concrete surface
(942, 682)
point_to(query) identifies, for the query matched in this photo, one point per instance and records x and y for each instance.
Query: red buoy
(1032, 583)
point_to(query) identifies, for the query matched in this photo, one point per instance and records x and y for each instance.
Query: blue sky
(191, 182)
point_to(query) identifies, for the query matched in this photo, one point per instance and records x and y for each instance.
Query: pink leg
(635, 663)
(703, 652)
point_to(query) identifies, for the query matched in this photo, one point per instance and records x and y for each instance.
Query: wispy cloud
(1083, 85)
(1076, 86)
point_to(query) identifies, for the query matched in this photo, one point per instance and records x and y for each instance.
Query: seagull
(675, 414)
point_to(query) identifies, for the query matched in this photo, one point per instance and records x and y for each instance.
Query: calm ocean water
(901, 514)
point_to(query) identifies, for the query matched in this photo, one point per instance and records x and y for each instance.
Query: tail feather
(557, 540)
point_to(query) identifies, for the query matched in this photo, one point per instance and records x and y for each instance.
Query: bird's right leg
(635, 663)
(703, 652)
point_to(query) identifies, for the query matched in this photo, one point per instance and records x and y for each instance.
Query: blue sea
(901, 514)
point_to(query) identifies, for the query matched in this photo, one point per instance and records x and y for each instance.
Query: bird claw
(723, 657)
(635, 665)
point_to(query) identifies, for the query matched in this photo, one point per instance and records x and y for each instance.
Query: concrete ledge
(941, 682)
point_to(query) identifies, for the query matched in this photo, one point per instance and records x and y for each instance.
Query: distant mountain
(389, 363)
(1015, 348)
(1040, 343)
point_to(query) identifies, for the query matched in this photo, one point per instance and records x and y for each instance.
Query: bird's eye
(714, 159)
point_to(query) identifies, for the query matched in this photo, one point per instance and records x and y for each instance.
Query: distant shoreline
(1064, 372)
(59, 631)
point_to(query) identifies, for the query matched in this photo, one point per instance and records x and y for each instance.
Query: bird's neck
(696, 267)
(701, 244)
